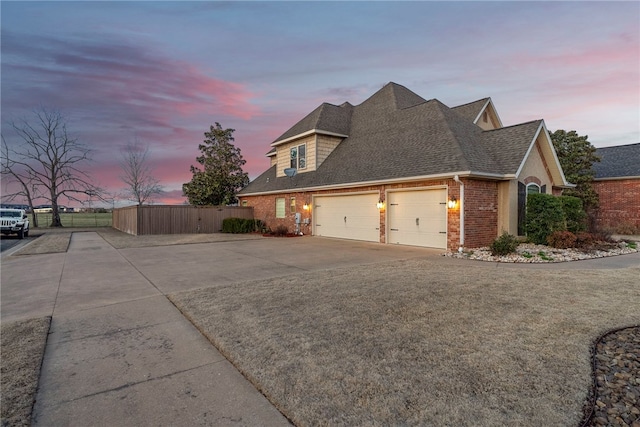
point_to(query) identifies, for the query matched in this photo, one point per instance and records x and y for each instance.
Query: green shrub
(504, 244)
(575, 216)
(562, 239)
(544, 216)
(241, 225)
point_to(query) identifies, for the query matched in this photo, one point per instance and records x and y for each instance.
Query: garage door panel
(418, 218)
(348, 217)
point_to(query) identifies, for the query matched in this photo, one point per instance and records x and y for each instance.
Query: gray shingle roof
(326, 117)
(471, 110)
(397, 134)
(618, 161)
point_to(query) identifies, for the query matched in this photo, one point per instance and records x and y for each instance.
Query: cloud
(133, 85)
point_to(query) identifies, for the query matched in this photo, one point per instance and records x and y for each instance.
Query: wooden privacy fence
(141, 220)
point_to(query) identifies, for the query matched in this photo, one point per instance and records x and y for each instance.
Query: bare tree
(51, 160)
(19, 180)
(138, 174)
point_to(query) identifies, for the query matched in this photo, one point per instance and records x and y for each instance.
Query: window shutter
(544, 189)
(522, 202)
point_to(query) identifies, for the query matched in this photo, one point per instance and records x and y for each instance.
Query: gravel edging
(531, 254)
(615, 394)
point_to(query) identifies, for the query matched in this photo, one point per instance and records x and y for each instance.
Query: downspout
(457, 179)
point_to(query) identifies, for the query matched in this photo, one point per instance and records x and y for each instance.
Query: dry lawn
(47, 243)
(22, 349)
(419, 343)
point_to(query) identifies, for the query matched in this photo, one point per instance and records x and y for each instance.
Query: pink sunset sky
(163, 72)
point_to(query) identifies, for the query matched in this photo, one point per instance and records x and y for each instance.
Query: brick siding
(481, 213)
(619, 204)
(481, 209)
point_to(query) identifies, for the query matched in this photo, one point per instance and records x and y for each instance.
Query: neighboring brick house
(617, 182)
(400, 169)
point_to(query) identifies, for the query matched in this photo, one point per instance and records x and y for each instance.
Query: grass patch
(544, 256)
(411, 343)
(76, 219)
(48, 243)
(22, 349)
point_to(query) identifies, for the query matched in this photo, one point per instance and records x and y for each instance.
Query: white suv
(14, 221)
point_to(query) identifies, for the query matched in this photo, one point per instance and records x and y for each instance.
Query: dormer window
(299, 156)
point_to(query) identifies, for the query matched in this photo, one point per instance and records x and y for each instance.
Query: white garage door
(349, 217)
(418, 218)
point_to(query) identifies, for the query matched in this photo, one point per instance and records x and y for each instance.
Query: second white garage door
(348, 217)
(418, 218)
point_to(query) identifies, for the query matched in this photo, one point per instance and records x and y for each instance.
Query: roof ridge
(472, 102)
(442, 110)
(516, 125)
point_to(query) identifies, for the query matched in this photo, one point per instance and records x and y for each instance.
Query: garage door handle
(417, 221)
(345, 219)
(443, 232)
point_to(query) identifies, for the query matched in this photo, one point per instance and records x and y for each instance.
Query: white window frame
(297, 158)
(533, 185)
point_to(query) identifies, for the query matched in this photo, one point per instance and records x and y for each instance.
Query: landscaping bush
(626, 228)
(584, 240)
(281, 231)
(504, 244)
(575, 216)
(562, 239)
(544, 216)
(240, 225)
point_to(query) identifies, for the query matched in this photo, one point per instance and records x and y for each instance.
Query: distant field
(76, 219)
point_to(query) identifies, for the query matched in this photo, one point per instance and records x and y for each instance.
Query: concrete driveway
(119, 353)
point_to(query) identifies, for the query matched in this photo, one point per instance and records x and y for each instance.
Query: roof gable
(329, 118)
(618, 161)
(476, 111)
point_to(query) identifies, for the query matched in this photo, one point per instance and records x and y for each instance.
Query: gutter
(457, 179)
(468, 174)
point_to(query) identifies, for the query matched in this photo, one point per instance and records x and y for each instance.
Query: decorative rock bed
(616, 397)
(530, 253)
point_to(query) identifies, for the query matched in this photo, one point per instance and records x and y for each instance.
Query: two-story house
(404, 170)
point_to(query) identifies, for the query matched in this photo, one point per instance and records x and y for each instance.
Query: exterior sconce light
(380, 204)
(452, 202)
(305, 207)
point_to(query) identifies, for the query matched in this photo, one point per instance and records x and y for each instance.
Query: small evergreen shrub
(562, 239)
(544, 216)
(241, 225)
(575, 216)
(281, 231)
(504, 244)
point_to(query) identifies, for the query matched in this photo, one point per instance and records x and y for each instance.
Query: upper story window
(299, 156)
